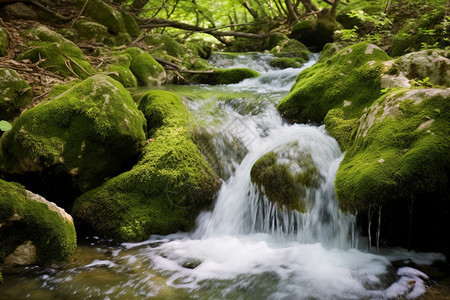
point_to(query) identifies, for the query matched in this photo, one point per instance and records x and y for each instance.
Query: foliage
(5, 125)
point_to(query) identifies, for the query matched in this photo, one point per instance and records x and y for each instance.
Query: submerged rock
(78, 138)
(32, 229)
(285, 177)
(224, 76)
(15, 94)
(164, 191)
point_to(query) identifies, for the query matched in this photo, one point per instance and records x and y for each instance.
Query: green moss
(51, 233)
(105, 14)
(292, 48)
(15, 94)
(427, 29)
(123, 75)
(69, 33)
(164, 191)
(4, 41)
(146, 69)
(167, 44)
(343, 130)
(286, 62)
(87, 133)
(58, 89)
(200, 48)
(350, 80)
(201, 64)
(280, 183)
(130, 24)
(368, 6)
(88, 30)
(122, 38)
(134, 51)
(399, 161)
(225, 76)
(60, 55)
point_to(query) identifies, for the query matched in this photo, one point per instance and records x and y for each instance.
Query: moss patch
(51, 233)
(61, 55)
(286, 62)
(88, 30)
(399, 159)
(130, 24)
(15, 94)
(4, 41)
(349, 80)
(122, 74)
(164, 191)
(86, 134)
(284, 179)
(104, 14)
(291, 48)
(225, 76)
(146, 69)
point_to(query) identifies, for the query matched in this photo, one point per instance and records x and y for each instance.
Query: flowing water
(246, 247)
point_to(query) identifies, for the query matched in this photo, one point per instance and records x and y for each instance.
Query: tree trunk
(292, 14)
(332, 12)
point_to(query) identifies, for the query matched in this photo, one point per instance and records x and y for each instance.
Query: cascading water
(247, 247)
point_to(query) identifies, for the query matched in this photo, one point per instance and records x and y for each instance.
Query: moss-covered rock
(431, 64)
(60, 55)
(130, 24)
(345, 18)
(291, 48)
(146, 69)
(15, 94)
(224, 76)
(4, 41)
(122, 74)
(286, 62)
(103, 13)
(349, 80)
(314, 33)
(399, 161)
(28, 220)
(164, 191)
(200, 48)
(79, 138)
(284, 178)
(89, 30)
(167, 44)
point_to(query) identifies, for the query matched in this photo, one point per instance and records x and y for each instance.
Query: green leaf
(5, 126)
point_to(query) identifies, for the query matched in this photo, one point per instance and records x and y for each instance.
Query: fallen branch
(157, 22)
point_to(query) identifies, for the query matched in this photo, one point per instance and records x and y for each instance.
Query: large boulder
(32, 229)
(15, 94)
(349, 80)
(77, 139)
(104, 14)
(431, 64)
(164, 191)
(4, 41)
(398, 161)
(55, 53)
(89, 30)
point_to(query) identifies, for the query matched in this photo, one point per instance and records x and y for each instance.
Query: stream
(245, 247)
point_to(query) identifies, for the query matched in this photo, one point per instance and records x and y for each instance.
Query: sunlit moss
(164, 191)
